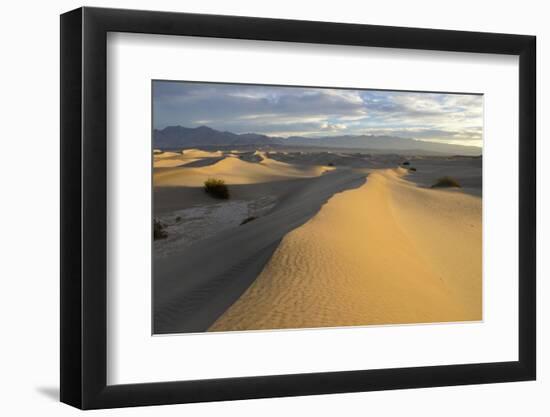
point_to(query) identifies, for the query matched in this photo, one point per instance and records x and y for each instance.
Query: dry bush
(216, 188)
(446, 182)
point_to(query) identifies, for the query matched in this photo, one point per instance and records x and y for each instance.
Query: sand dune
(387, 252)
(197, 153)
(167, 159)
(166, 155)
(195, 286)
(169, 162)
(184, 158)
(466, 171)
(235, 171)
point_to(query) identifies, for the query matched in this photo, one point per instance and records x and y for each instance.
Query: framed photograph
(259, 208)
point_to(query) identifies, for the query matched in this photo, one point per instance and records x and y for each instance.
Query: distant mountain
(179, 137)
(391, 144)
(184, 137)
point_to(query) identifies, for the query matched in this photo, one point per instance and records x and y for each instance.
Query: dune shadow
(197, 285)
(203, 162)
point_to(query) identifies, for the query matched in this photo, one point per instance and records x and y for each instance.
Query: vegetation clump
(159, 230)
(330, 164)
(216, 188)
(406, 163)
(446, 182)
(412, 169)
(248, 219)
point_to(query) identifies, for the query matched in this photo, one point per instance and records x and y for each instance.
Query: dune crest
(197, 153)
(235, 171)
(196, 285)
(388, 252)
(174, 159)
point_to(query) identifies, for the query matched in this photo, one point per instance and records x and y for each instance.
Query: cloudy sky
(317, 112)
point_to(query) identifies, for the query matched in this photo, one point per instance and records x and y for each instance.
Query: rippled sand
(388, 252)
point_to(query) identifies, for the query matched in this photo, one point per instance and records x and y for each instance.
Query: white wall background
(29, 219)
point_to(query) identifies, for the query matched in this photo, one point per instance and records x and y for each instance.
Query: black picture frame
(84, 207)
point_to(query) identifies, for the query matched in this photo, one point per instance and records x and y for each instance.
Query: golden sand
(388, 252)
(235, 171)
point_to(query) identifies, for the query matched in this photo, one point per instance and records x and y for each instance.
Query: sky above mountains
(317, 112)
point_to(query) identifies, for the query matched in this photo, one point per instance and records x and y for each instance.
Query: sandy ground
(188, 226)
(233, 169)
(183, 158)
(388, 252)
(194, 286)
(326, 247)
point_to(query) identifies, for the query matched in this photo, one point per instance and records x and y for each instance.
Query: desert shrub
(330, 164)
(178, 219)
(446, 182)
(412, 169)
(248, 219)
(406, 163)
(216, 188)
(159, 231)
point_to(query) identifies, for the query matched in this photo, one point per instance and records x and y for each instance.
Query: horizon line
(318, 137)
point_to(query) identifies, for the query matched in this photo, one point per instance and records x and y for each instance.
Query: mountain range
(179, 137)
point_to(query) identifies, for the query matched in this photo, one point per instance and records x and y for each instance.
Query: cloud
(333, 127)
(285, 111)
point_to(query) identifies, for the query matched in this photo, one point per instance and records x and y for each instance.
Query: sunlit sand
(232, 169)
(331, 240)
(388, 252)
